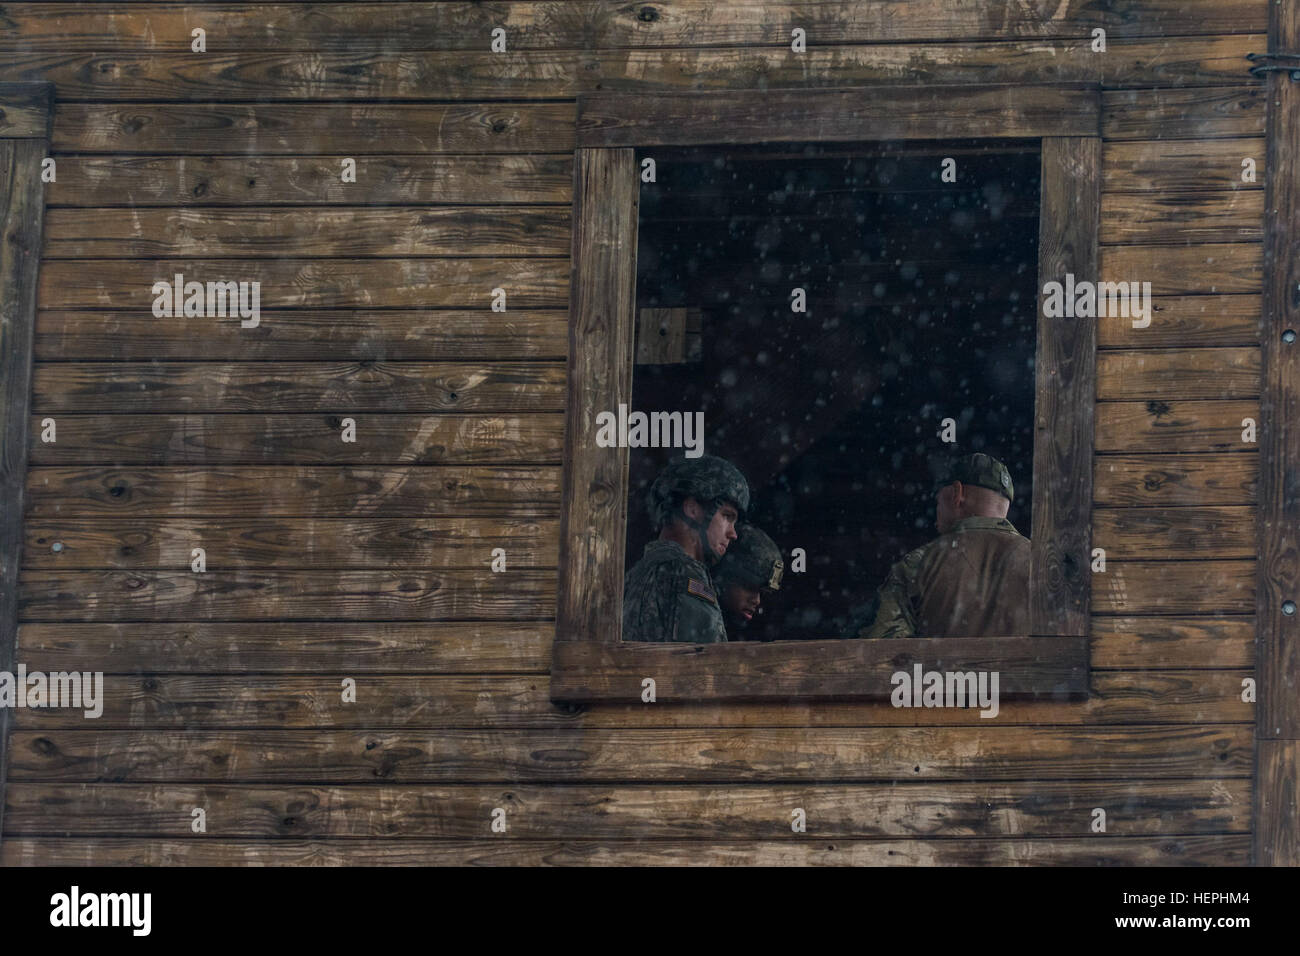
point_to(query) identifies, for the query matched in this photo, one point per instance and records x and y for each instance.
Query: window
(1055, 127)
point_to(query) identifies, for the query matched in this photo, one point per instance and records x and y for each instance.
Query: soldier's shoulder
(662, 559)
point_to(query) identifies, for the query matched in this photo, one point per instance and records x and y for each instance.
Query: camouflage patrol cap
(706, 479)
(982, 470)
(753, 560)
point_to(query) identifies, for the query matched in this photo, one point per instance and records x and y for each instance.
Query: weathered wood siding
(370, 560)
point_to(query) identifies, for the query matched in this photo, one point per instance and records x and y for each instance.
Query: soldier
(667, 596)
(751, 567)
(972, 580)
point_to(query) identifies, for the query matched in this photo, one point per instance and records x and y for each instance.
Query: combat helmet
(981, 470)
(710, 480)
(753, 561)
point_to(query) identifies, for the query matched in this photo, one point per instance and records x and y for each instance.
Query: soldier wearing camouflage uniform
(751, 568)
(972, 580)
(668, 595)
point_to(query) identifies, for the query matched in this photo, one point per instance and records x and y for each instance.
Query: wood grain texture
(269, 647)
(1034, 667)
(289, 490)
(593, 517)
(415, 179)
(1181, 321)
(1216, 642)
(1160, 167)
(1209, 850)
(1182, 217)
(166, 703)
(1211, 586)
(397, 27)
(1190, 268)
(21, 209)
(284, 387)
(363, 647)
(1150, 533)
(235, 129)
(1179, 426)
(731, 755)
(1127, 480)
(256, 438)
(1135, 808)
(1191, 114)
(152, 542)
(530, 283)
(402, 594)
(251, 232)
(25, 110)
(306, 335)
(239, 75)
(1065, 390)
(776, 115)
(1277, 784)
(1170, 374)
(1277, 834)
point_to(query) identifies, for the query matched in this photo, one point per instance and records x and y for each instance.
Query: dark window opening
(921, 305)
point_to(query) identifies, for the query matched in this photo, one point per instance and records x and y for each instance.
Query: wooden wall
(370, 560)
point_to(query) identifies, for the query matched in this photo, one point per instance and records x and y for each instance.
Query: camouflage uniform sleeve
(896, 614)
(650, 604)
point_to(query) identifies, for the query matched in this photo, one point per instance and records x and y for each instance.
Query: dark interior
(921, 305)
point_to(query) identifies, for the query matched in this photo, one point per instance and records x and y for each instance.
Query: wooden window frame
(590, 663)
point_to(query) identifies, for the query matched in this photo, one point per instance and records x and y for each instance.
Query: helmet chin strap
(702, 531)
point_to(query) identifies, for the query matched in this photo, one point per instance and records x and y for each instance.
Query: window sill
(1032, 668)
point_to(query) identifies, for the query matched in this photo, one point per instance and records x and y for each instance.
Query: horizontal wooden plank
(1151, 642)
(397, 27)
(1175, 587)
(285, 490)
(1159, 166)
(589, 668)
(778, 115)
(312, 283)
(1133, 807)
(1170, 374)
(389, 386)
(1177, 426)
(224, 73)
(255, 438)
(249, 595)
(142, 181)
(1124, 481)
(1183, 321)
(1179, 269)
(131, 542)
(733, 755)
(363, 647)
(1150, 533)
(1172, 217)
(1205, 850)
(352, 232)
(26, 109)
(468, 335)
(396, 647)
(362, 129)
(1198, 114)
(399, 701)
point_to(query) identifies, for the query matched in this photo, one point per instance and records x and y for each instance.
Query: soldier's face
(722, 529)
(740, 602)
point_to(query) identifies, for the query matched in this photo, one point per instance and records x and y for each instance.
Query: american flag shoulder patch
(700, 590)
